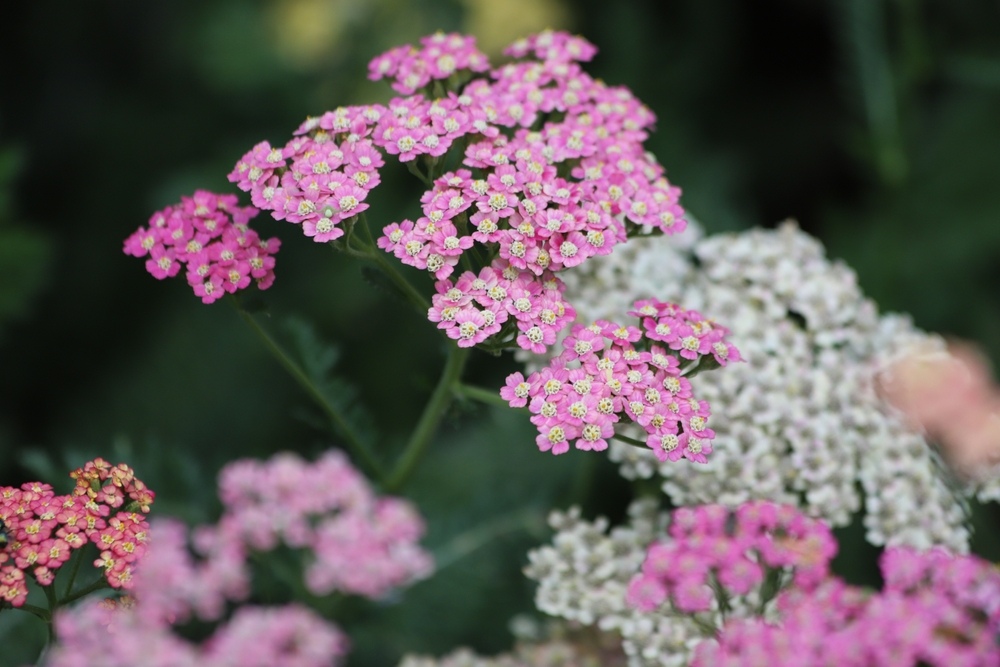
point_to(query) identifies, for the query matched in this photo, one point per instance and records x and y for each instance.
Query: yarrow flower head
(552, 172)
(441, 56)
(586, 573)
(95, 633)
(609, 373)
(42, 530)
(555, 46)
(358, 542)
(936, 609)
(716, 553)
(209, 237)
(950, 396)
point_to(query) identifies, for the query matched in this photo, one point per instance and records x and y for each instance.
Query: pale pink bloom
(950, 395)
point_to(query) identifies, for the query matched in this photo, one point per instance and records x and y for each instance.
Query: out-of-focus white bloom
(800, 421)
(584, 573)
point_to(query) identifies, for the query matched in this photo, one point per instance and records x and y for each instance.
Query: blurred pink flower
(951, 395)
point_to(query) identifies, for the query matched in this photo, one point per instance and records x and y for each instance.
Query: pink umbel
(208, 236)
(357, 542)
(352, 541)
(551, 171)
(107, 508)
(717, 552)
(937, 609)
(609, 373)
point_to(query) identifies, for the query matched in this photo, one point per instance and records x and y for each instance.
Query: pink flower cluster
(936, 610)
(253, 637)
(609, 372)
(554, 173)
(553, 169)
(316, 180)
(952, 397)
(478, 306)
(553, 46)
(718, 551)
(106, 508)
(359, 543)
(209, 236)
(356, 542)
(443, 56)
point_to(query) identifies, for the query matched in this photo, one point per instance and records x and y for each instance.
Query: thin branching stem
(95, 585)
(378, 257)
(487, 396)
(337, 420)
(74, 570)
(629, 441)
(435, 409)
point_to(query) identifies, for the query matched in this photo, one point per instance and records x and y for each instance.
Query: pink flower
(836, 623)
(516, 391)
(951, 395)
(208, 236)
(632, 379)
(645, 593)
(359, 543)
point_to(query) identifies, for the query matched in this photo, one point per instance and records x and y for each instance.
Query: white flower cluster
(800, 422)
(585, 572)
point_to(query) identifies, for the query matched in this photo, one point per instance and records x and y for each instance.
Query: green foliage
(21, 637)
(319, 359)
(24, 253)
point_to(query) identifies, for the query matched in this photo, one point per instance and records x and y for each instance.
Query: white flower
(800, 421)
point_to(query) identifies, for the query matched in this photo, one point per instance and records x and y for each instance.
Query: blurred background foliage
(873, 122)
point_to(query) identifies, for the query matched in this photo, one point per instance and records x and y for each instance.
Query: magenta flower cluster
(935, 610)
(477, 306)
(715, 551)
(440, 57)
(358, 542)
(209, 236)
(316, 181)
(43, 530)
(552, 172)
(609, 373)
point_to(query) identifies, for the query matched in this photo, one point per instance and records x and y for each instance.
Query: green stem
(579, 492)
(340, 424)
(460, 546)
(50, 596)
(77, 559)
(487, 396)
(414, 169)
(34, 610)
(629, 441)
(770, 588)
(433, 412)
(376, 255)
(95, 585)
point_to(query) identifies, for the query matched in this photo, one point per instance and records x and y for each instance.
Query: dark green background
(874, 123)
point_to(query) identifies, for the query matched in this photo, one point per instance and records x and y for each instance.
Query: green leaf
(318, 359)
